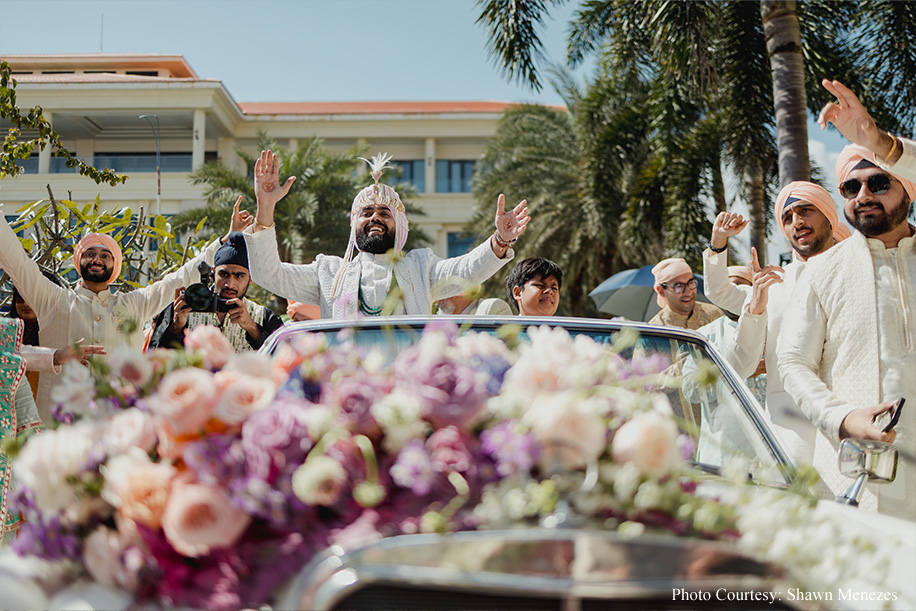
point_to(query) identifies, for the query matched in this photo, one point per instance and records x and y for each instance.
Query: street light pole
(149, 119)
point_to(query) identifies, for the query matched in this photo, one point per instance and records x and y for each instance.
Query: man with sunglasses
(807, 217)
(676, 295)
(848, 352)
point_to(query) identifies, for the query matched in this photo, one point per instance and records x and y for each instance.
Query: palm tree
(313, 218)
(700, 45)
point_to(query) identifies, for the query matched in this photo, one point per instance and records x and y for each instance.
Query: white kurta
(852, 344)
(421, 276)
(66, 316)
(794, 428)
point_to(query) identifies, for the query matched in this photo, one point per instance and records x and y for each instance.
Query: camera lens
(199, 298)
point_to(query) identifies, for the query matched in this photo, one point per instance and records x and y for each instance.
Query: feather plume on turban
(816, 196)
(101, 240)
(853, 154)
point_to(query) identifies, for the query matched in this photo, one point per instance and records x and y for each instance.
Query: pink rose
(184, 402)
(648, 442)
(102, 558)
(211, 342)
(199, 518)
(241, 396)
(130, 428)
(571, 430)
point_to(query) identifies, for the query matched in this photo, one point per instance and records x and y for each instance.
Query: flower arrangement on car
(206, 479)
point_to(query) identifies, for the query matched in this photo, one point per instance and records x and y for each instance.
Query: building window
(454, 176)
(143, 162)
(460, 243)
(414, 172)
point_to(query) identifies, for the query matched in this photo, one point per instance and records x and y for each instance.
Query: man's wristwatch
(718, 250)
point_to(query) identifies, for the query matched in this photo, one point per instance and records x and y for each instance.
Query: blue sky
(291, 50)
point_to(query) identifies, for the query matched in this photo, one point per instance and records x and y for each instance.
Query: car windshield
(727, 427)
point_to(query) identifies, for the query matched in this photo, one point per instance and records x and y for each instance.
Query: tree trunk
(753, 194)
(783, 40)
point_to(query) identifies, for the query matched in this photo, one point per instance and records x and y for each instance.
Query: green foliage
(14, 149)
(314, 217)
(52, 227)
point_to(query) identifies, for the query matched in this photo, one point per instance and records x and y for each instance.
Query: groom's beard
(377, 244)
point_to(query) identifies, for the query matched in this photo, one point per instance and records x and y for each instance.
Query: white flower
(572, 431)
(398, 415)
(76, 389)
(129, 428)
(320, 481)
(251, 363)
(47, 460)
(118, 470)
(648, 496)
(102, 558)
(130, 365)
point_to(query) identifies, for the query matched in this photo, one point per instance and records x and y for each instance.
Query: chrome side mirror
(865, 461)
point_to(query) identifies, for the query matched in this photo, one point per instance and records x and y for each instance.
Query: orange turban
(816, 196)
(741, 271)
(310, 311)
(668, 270)
(99, 240)
(851, 156)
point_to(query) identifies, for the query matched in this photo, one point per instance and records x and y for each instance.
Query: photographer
(245, 323)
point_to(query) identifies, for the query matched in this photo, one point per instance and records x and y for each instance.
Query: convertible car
(564, 564)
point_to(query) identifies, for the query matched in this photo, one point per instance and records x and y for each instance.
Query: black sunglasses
(877, 184)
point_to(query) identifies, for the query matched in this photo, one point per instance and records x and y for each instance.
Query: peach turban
(816, 196)
(668, 270)
(851, 156)
(308, 310)
(101, 240)
(741, 271)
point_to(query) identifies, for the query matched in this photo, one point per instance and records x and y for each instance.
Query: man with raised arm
(808, 219)
(847, 352)
(373, 282)
(90, 311)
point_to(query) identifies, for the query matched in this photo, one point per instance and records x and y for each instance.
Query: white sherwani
(795, 430)
(421, 276)
(851, 343)
(67, 315)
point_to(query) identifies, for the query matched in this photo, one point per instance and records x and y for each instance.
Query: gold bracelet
(893, 148)
(272, 225)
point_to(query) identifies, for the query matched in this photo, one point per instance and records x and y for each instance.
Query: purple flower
(495, 367)
(450, 393)
(216, 459)
(414, 469)
(274, 437)
(355, 396)
(48, 539)
(513, 452)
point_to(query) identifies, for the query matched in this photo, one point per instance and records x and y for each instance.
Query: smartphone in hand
(895, 415)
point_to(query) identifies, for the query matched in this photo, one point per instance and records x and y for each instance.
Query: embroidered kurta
(795, 430)
(702, 314)
(421, 276)
(240, 340)
(66, 316)
(852, 344)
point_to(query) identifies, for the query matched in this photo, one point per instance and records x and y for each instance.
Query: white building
(95, 102)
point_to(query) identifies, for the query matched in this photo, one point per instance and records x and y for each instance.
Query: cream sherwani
(790, 423)
(69, 315)
(421, 276)
(852, 344)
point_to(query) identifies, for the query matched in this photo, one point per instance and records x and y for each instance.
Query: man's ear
(659, 290)
(517, 292)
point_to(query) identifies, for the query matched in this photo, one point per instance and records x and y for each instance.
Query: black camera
(201, 298)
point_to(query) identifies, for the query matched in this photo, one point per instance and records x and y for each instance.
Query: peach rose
(571, 431)
(131, 365)
(145, 492)
(184, 401)
(199, 518)
(211, 342)
(649, 443)
(241, 396)
(130, 428)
